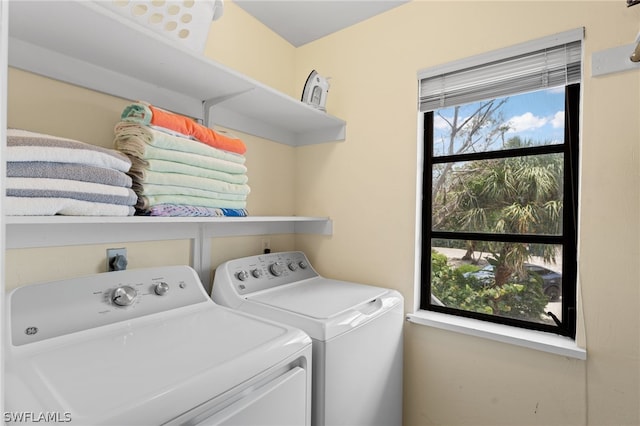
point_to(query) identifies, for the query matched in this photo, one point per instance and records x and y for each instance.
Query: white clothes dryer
(356, 331)
(148, 347)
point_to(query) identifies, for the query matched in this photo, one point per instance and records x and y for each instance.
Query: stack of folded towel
(49, 175)
(179, 167)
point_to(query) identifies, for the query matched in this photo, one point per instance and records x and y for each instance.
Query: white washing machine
(356, 331)
(148, 346)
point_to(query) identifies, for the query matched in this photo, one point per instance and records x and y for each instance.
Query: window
(500, 185)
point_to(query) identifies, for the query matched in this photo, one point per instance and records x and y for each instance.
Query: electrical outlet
(117, 259)
(266, 245)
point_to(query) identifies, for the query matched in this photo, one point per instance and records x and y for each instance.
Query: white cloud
(558, 120)
(526, 121)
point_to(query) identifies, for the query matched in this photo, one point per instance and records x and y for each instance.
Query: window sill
(541, 341)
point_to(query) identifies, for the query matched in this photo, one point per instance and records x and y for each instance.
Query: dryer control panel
(52, 309)
(265, 271)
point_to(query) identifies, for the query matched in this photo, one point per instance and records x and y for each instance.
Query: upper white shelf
(87, 45)
(50, 231)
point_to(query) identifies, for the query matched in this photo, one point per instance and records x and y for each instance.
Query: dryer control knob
(293, 266)
(257, 273)
(277, 268)
(242, 275)
(161, 288)
(124, 296)
(303, 264)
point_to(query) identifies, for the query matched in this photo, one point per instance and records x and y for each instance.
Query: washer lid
(318, 298)
(146, 371)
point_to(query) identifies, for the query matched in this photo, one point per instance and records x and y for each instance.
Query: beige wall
(367, 185)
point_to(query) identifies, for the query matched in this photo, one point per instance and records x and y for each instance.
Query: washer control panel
(42, 311)
(256, 273)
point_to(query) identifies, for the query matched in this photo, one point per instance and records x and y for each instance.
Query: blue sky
(537, 115)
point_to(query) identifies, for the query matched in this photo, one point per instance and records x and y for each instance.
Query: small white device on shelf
(315, 91)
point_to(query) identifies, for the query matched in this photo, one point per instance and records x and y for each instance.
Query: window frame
(568, 239)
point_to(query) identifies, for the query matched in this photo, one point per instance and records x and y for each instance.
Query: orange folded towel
(148, 114)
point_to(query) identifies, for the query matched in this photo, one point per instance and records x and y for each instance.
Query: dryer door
(281, 401)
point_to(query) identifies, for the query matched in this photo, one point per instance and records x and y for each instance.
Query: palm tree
(517, 195)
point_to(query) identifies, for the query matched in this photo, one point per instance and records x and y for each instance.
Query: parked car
(551, 280)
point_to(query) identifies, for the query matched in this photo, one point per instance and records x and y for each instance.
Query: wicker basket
(186, 21)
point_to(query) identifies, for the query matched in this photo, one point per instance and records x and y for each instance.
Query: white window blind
(549, 62)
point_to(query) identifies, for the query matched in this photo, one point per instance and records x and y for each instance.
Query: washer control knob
(124, 296)
(293, 266)
(162, 288)
(242, 275)
(257, 273)
(277, 268)
(303, 264)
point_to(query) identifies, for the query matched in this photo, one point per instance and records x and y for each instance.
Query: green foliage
(464, 268)
(516, 299)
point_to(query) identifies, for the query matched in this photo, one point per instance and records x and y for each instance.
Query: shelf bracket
(615, 59)
(208, 103)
